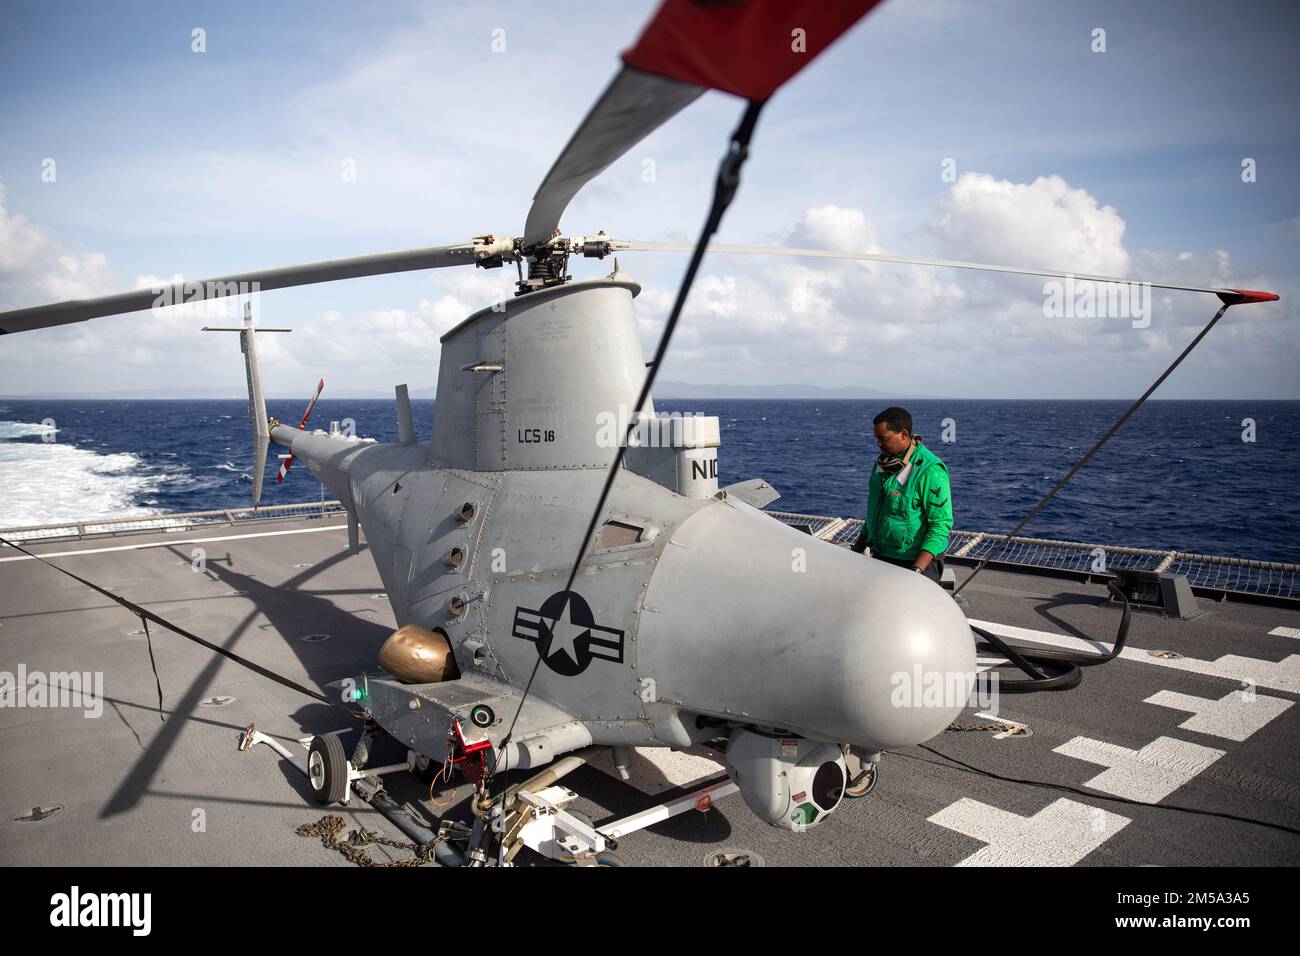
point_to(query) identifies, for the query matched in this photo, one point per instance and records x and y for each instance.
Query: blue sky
(170, 161)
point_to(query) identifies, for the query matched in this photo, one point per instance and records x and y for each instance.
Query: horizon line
(669, 397)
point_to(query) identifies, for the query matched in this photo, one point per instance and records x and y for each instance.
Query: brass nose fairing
(417, 655)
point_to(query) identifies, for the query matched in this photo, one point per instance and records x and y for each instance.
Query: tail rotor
(286, 461)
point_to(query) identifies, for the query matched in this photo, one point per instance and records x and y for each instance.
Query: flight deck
(1180, 752)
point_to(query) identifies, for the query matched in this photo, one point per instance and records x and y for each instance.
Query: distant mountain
(774, 392)
(663, 390)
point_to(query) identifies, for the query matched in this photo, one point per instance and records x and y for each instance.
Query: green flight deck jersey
(904, 521)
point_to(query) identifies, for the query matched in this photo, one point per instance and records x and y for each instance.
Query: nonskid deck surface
(1210, 730)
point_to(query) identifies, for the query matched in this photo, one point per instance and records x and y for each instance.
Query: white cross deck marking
(1276, 675)
(1234, 717)
(1147, 775)
(1060, 834)
(1286, 631)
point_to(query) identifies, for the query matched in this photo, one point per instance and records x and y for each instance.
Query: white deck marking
(1286, 631)
(1068, 641)
(1234, 717)
(1060, 834)
(165, 544)
(1147, 775)
(1277, 675)
(658, 769)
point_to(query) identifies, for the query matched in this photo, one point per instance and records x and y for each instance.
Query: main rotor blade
(633, 106)
(748, 48)
(311, 273)
(1239, 295)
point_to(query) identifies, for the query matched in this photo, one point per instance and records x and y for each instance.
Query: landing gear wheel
(327, 769)
(863, 783)
(609, 859)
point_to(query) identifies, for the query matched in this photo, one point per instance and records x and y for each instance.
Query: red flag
(747, 48)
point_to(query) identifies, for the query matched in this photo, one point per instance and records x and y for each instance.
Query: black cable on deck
(146, 616)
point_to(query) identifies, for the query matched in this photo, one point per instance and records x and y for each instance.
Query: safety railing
(1212, 572)
(168, 522)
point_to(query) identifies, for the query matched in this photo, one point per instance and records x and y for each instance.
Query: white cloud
(364, 350)
(382, 343)
(835, 228)
(748, 319)
(947, 332)
(35, 267)
(1045, 223)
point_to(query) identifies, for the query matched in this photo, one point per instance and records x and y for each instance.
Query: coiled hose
(1049, 668)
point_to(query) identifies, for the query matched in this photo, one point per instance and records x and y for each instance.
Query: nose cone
(908, 660)
(751, 621)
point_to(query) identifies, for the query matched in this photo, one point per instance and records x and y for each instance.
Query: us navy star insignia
(567, 636)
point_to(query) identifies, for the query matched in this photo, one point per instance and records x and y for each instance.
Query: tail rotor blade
(306, 416)
(287, 463)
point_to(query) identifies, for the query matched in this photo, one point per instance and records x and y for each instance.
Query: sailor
(909, 517)
(909, 504)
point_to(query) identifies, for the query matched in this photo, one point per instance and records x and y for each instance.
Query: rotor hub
(548, 262)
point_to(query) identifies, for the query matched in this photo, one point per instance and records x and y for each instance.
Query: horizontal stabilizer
(755, 491)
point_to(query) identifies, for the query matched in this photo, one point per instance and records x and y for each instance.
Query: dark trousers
(934, 572)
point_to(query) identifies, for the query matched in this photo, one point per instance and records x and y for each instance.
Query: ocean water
(1177, 476)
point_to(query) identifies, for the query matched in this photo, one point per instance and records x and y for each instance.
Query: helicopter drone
(682, 621)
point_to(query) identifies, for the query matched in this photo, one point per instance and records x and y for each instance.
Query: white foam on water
(24, 430)
(45, 482)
